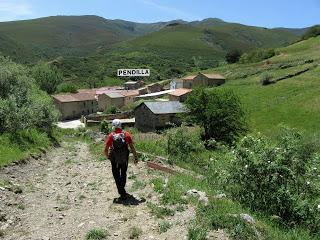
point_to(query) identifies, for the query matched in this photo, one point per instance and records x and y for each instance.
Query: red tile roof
(180, 91)
(75, 97)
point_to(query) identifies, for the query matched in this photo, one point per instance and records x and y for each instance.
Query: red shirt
(118, 130)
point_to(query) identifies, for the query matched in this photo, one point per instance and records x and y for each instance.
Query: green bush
(22, 104)
(66, 87)
(219, 112)
(233, 56)
(257, 55)
(47, 76)
(183, 145)
(280, 178)
(111, 110)
(266, 78)
(105, 127)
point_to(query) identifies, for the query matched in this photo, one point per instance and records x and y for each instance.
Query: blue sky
(266, 13)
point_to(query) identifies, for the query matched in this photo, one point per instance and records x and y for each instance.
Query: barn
(151, 116)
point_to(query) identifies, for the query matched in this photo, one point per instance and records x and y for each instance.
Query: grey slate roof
(114, 95)
(165, 107)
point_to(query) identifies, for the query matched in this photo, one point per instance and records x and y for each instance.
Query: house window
(84, 104)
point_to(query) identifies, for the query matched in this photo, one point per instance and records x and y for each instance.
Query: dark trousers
(119, 172)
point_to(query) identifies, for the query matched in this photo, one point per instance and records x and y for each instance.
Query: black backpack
(120, 151)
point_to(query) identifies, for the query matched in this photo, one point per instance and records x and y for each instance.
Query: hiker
(116, 149)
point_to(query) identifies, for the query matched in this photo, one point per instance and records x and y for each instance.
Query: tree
(219, 112)
(47, 76)
(22, 104)
(233, 56)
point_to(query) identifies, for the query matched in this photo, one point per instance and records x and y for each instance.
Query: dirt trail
(68, 192)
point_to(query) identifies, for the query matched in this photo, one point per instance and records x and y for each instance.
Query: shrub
(105, 127)
(22, 104)
(111, 110)
(281, 179)
(311, 32)
(47, 76)
(219, 112)
(183, 145)
(233, 56)
(66, 87)
(266, 78)
(197, 233)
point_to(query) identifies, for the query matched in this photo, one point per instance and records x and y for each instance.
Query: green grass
(20, 147)
(135, 233)
(160, 212)
(97, 234)
(164, 226)
(293, 102)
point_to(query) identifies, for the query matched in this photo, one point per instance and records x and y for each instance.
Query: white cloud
(177, 13)
(13, 9)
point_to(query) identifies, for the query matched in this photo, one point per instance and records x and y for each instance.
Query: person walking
(116, 149)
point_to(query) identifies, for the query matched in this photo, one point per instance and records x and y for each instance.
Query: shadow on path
(129, 201)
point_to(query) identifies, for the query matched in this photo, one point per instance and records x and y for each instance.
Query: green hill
(175, 49)
(17, 52)
(293, 101)
(73, 35)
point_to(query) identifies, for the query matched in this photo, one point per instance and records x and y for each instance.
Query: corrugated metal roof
(75, 97)
(165, 107)
(180, 91)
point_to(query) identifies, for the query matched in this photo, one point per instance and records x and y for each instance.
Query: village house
(133, 85)
(117, 98)
(179, 94)
(202, 79)
(72, 106)
(155, 87)
(110, 99)
(150, 116)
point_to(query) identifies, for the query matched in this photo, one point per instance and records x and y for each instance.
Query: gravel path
(68, 192)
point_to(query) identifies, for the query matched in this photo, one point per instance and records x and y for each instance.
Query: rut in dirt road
(68, 192)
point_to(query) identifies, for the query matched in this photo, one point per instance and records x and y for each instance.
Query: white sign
(133, 72)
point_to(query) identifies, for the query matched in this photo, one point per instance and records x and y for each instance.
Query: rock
(80, 225)
(247, 218)
(220, 196)
(2, 189)
(202, 196)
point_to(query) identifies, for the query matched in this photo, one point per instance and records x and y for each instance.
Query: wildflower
(308, 183)
(318, 206)
(246, 166)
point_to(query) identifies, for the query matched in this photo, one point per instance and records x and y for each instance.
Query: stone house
(72, 106)
(179, 94)
(116, 99)
(129, 96)
(155, 87)
(150, 116)
(110, 99)
(133, 85)
(202, 79)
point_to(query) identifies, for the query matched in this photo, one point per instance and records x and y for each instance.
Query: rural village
(147, 107)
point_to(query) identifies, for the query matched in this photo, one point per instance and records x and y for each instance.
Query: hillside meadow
(294, 101)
